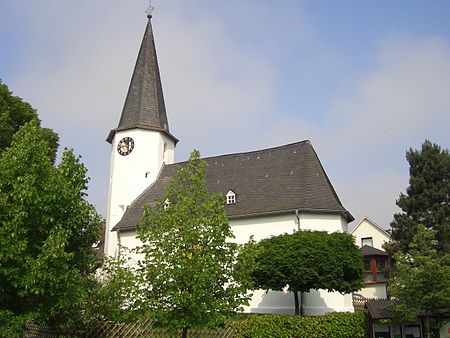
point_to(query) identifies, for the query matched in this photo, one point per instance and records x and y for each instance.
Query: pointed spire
(144, 105)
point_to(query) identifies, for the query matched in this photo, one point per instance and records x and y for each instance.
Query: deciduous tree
(190, 276)
(14, 113)
(47, 229)
(112, 292)
(309, 260)
(421, 278)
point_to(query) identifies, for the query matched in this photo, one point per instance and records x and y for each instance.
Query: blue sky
(364, 81)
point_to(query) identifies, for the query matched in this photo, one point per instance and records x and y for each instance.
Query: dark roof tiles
(368, 250)
(380, 308)
(266, 181)
(144, 106)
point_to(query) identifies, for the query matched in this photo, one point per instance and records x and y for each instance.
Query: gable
(275, 180)
(368, 229)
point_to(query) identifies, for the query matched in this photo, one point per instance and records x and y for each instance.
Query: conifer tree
(426, 200)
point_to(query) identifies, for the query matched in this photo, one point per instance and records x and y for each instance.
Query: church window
(231, 197)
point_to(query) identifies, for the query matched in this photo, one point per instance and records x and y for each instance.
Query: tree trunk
(428, 327)
(301, 304)
(296, 302)
(184, 332)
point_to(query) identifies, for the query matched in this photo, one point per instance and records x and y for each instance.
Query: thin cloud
(231, 71)
(398, 104)
(77, 76)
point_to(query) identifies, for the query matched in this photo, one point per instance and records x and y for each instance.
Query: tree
(14, 113)
(111, 292)
(190, 272)
(309, 260)
(46, 232)
(421, 278)
(426, 200)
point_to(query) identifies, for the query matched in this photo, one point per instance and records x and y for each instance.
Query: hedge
(335, 324)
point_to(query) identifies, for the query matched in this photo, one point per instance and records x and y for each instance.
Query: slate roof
(144, 106)
(268, 181)
(379, 308)
(368, 250)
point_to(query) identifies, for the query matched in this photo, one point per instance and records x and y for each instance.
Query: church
(268, 192)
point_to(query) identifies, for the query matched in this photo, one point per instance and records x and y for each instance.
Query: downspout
(118, 244)
(301, 293)
(298, 219)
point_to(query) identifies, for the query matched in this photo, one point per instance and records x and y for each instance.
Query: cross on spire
(150, 9)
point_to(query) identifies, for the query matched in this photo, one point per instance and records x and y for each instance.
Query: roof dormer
(166, 204)
(231, 197)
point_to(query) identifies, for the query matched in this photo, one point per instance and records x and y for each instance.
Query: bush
(11, 325)
(335, 324)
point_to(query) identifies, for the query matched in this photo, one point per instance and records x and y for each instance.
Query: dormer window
(166, 204)
(231, 197)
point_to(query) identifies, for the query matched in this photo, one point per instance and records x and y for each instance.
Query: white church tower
(141, 143)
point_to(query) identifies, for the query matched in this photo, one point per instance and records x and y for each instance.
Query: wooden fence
(142, 328)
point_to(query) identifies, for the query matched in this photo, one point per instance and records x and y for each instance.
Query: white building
(269, 192)
(370, 238)
(367, 232)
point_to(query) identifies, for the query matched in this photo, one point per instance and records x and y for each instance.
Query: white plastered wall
(131, 174)
(366, 229)
(377, 291)
(316, 302)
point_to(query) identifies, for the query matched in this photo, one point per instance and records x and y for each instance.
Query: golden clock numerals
(125, 146)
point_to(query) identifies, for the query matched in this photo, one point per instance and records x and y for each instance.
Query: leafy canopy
(421, 277)
(110, 294)
(426, 200)
(14, 113)
(46, 232)
(191, 273)
(309, 260)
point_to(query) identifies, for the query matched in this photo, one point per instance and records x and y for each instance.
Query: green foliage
(421, 278)
(46, 232)
(426, 200)
(111, 291)
(14, 113)
(336, 325)
(309, 260)
(189, 274)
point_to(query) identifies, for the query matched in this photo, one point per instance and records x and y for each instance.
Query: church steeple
(144, 106)
(141, 143)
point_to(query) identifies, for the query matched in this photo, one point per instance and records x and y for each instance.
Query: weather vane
(150, 9)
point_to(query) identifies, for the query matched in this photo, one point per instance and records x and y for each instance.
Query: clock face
(125, 146)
